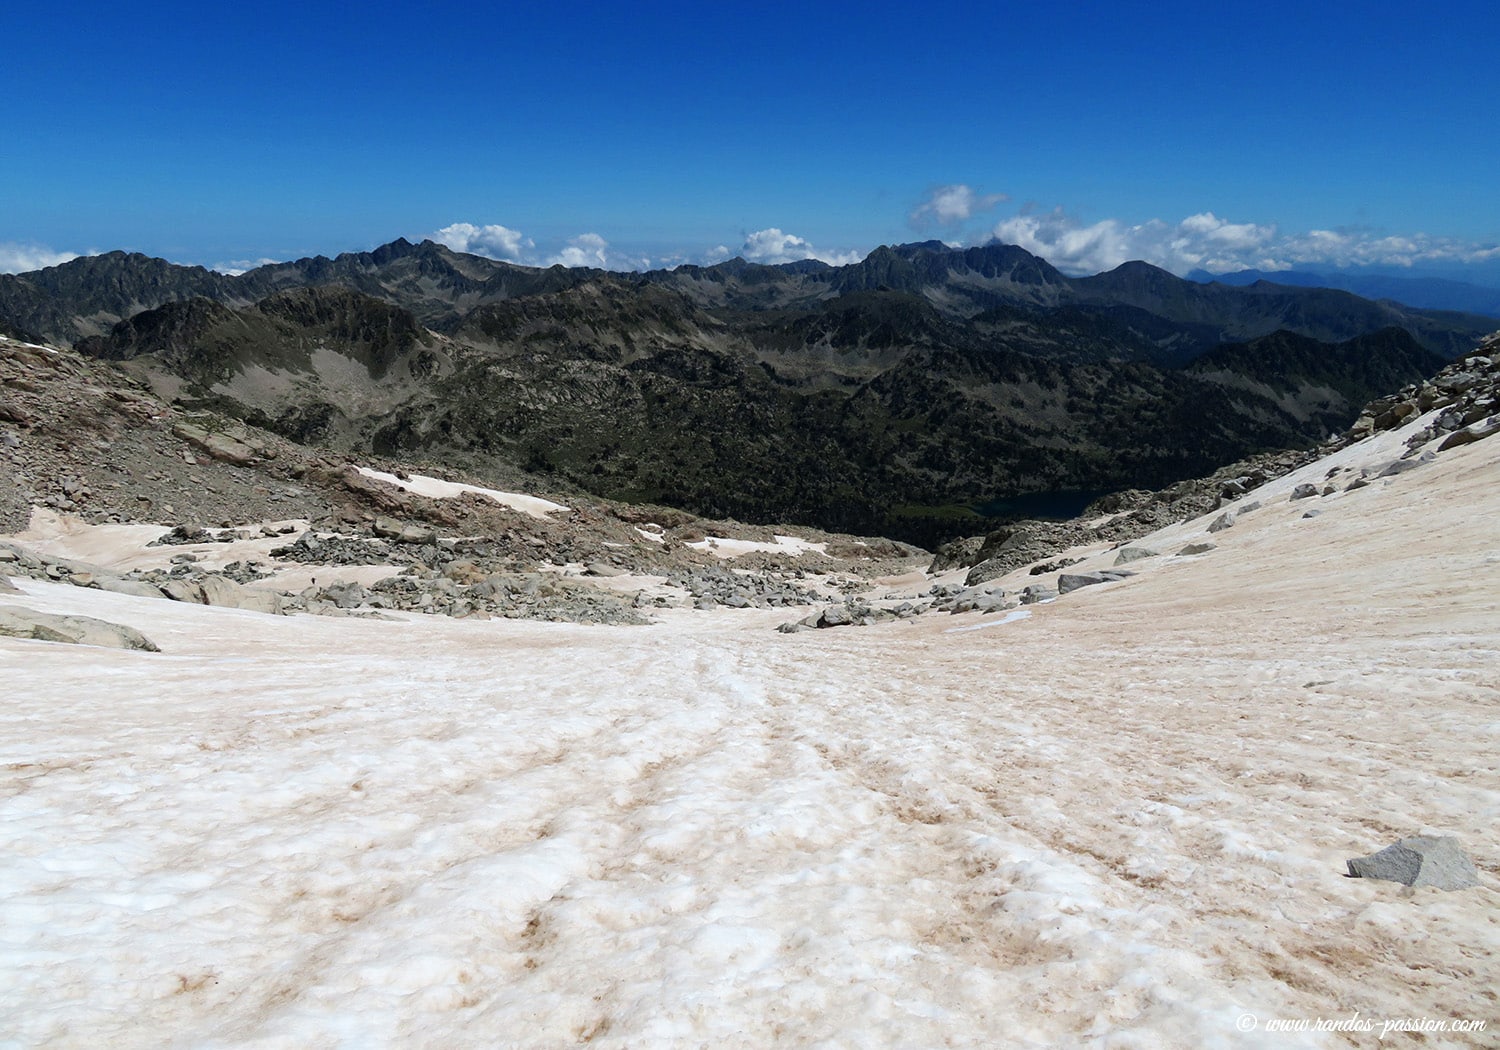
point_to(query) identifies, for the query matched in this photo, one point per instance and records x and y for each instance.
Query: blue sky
(1310, 134)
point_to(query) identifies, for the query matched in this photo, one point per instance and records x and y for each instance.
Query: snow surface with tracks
(1119, 821)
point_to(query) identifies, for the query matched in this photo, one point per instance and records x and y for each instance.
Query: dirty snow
(436, 488)
(1119, 821)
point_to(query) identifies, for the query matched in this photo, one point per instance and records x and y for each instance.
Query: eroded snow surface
(1119, 821)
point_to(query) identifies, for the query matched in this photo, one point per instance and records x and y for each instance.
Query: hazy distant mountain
(1430, 293)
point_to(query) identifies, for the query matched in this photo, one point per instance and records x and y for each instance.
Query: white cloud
(771, 246)
(590, 249)
(235, 267)
(1365, 248)
(23, 258)
(587, 249)
(495, 242)
(951, 205)
(1205, 241)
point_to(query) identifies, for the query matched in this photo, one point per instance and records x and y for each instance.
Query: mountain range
(890, 396)
(1432, 293)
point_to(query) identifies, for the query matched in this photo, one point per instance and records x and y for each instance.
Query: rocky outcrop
(1465, 394)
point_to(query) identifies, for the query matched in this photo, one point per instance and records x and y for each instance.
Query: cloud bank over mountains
(1202, 241)
(1205, 241)
(16, 257)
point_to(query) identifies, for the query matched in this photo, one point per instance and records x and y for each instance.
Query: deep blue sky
(215, 133)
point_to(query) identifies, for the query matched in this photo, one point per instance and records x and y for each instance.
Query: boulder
(224, 593)
(225, 446)
(1130, 554)
(835, 616)
(1072, 581)
(1469, 435)
(387, 527)
(1222, 522)
(603, 569)
(1419, 860)
(1401, 466)
(1033, 593)
(19, 622)
(1304, 491)
(1393, 416)
(120, 585)
(956, 553)
(1197, 548)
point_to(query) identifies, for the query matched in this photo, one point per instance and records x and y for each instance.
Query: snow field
(1119, 821)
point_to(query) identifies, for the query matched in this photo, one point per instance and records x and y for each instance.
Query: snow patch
(727, 548)
(436, 488)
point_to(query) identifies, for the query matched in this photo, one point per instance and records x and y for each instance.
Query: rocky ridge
(1466, 391)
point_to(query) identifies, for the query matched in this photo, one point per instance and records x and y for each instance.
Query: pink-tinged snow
(436, 488)
(1120, 821)
(730, 548)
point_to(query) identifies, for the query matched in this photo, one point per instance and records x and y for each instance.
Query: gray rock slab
(1130, 554)
(1198, 548)
(19, 622)
(1419, 860)
(1222, 522)
(120, 585)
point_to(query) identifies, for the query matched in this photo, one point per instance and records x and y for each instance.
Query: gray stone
(220, 445)
(19, 622)
(1222, 522)
(1304, 490)
(1401, 466)
(1470, 435)
(1312, 513)
(1033, 593)
(1419, 860)
(1357, 483)
(1071, 581)
(1197, 548)
(835, 616)
(222, 592)
(6, 587)
(120, 585)
(387, 527)
(603, 569)
(345, 595)
(1130, 554)
(792, 627)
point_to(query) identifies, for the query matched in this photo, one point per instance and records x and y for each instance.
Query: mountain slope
(872, 413)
